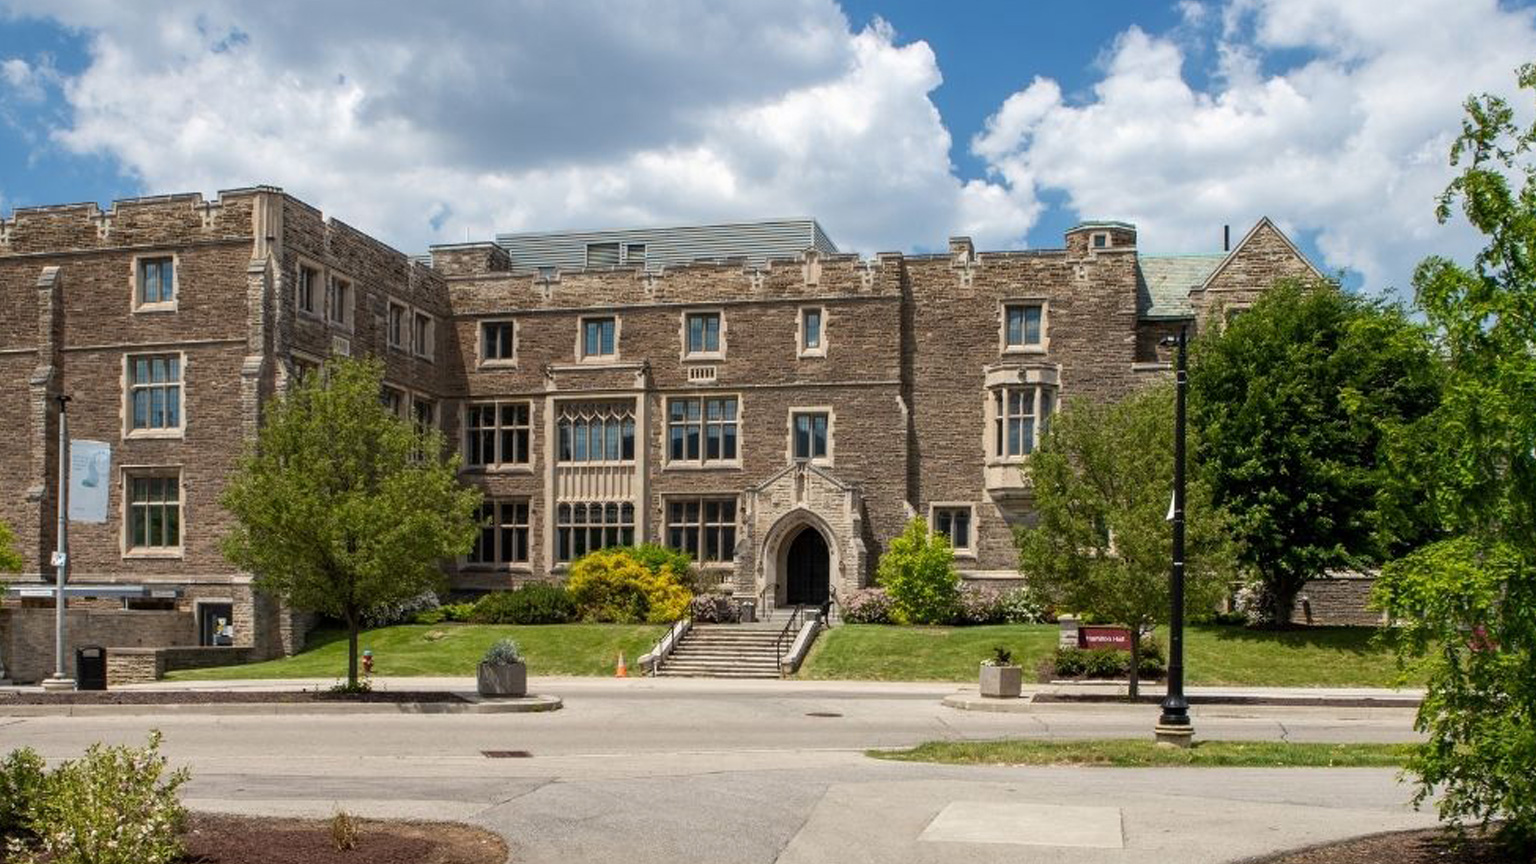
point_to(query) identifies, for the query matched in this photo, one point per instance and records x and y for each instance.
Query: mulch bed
(211, 697)
(1432, 846)
(250, 840)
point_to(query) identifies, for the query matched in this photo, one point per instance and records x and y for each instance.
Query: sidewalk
(955, 694)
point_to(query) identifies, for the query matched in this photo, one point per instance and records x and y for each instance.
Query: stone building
(779, 411)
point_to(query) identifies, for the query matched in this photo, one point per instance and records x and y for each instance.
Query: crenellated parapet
(130, 222)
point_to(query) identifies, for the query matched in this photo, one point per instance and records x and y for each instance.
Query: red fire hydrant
(368, 661)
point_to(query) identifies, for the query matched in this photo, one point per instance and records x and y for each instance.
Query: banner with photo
(90, 479)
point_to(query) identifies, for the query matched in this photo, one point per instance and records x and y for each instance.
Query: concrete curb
(521, 705)
(974, 702)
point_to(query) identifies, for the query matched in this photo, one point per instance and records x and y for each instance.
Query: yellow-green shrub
(614, 586)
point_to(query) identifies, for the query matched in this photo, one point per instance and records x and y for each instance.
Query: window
(810, 332)
(149, 604)
(1024, 325)
(497, 342)
(601, 432)
(703, 332)
(1101, 240)
(954, 523)
(704, 528)
(154, 513)
(810, 434)
(599, 337)
(583, 528)
(303, 367)
(602, 255)
(154, 391)
(702, 430)
(425, 412)
(496, 433)
(157, 282)
(393, 401)
(503, 534)
(309, 277)
(1020, 416)
(398, 315)
(634, 253)
(423, 337)
(338, 301)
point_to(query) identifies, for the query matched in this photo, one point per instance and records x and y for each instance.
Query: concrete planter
(503, 679)
(1001, 682)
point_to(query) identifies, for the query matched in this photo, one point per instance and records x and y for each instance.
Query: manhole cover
(822, 714)
(506, 754)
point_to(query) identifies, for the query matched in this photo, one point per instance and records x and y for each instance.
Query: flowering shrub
(714, 609)
(614, 586)
(867, 606)
(1022, 605)
(117, 805)
(979, 604)
(402, 612)
(21, 786)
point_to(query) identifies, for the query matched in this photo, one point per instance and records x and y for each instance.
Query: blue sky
(896, 124)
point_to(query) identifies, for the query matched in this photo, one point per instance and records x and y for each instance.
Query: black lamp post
(1173, 727)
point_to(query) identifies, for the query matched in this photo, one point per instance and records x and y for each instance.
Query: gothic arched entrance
(808, 569)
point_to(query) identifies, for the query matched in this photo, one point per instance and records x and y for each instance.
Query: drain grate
(506, 754)
(822, 714)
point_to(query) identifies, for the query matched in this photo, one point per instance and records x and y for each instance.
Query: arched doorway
(808, 569)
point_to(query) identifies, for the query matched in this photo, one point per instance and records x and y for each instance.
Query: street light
(1173, 727)
(61, 679)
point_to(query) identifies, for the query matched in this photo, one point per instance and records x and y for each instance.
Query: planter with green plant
(1000, 677)
(503, 671)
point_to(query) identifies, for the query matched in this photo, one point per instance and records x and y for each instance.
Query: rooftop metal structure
(657, 248)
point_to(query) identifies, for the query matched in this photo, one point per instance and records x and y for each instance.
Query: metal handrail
(683, 623)
(786, 637)
(763, 612)
(826, 607)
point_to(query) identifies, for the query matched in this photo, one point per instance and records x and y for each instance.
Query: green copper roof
(1163, 283)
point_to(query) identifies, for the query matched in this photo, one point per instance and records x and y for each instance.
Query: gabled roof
(1264, 222)
(1163, 283)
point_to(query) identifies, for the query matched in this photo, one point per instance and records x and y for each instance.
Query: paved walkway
(647, 770)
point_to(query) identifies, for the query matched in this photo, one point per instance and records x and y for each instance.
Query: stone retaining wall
(1342, 601)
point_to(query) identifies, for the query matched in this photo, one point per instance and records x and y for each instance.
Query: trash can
(91, 668)
(748, 611)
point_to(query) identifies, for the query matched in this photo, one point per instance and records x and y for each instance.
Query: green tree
(1294, 400)
(341, 506)
(918, 573)
(10, 561)
(1467, 600)
(1102, 480)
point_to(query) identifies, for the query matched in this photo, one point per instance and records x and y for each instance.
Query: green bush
(458, 612)
(531, 603)
(1107, 662)
(655, 557)
(918, 574)
(117, 805)
(614, 586)
(21, 787)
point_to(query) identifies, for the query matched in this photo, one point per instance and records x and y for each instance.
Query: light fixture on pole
(61, 679)
(1173, 727)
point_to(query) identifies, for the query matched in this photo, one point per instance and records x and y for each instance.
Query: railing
(826, 607)
(763, 612)
(786, 638)
(668, 643)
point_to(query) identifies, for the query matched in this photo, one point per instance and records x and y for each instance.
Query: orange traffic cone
(623, 671)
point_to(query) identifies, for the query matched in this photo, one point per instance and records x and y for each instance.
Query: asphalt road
(648, 770)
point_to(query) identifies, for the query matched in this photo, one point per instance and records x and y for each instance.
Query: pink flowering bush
(117, 805)
(867, 606)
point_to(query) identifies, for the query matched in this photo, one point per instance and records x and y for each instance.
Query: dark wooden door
(809, 569)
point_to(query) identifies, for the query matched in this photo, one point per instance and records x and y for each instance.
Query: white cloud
(25, 82)
(422, 127)
(1348, 144)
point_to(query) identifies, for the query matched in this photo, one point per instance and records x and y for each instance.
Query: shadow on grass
(1354, 640)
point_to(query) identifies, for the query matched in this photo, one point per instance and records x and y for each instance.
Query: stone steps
(725, 651)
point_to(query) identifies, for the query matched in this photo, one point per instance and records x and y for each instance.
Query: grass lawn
(1137, 753)
(1214, 655)
(453, 649)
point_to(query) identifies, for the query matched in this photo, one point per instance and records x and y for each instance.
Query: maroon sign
(1118, 638)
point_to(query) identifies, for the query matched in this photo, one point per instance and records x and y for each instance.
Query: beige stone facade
(725, 408)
